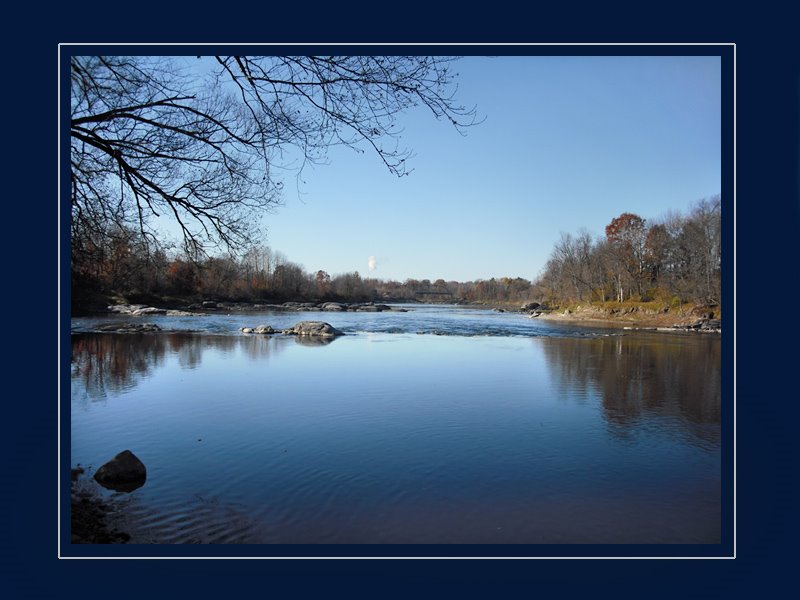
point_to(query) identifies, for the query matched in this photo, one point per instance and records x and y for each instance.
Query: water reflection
(426, 439)
(639, 379)
(108, 364)
(305, 340)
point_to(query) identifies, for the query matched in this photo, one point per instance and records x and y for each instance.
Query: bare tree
(159, 136)
(703, 235)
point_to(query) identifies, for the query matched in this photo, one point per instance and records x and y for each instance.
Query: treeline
(675, 259)
(120, 262)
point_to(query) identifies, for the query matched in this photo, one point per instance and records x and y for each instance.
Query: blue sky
(567, 143)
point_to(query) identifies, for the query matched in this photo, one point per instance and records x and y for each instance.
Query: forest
(676, 258)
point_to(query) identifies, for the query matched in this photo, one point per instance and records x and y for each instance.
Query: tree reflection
(641, 378)
(107, 363)
(112, 363)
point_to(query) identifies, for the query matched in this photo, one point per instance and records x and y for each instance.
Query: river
(437, 425)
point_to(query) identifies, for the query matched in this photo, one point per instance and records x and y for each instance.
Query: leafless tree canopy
(160, 136)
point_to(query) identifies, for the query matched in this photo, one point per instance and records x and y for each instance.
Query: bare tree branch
(150, 138)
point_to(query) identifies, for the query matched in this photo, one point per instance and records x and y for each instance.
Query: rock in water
(314, 328)
(333, 306)
(123, 473)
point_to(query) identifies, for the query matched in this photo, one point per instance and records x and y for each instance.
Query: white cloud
(372, 263)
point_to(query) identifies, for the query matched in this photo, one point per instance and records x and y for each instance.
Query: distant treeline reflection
(635, 378)
(107, 363)
(647, 378)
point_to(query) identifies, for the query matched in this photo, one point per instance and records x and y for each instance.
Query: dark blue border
(725, 549)
(768, 227)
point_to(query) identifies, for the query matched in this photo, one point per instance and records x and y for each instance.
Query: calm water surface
(439, 425)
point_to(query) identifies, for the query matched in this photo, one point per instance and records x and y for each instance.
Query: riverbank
(84, 305)
(628, 315)
(636, 316)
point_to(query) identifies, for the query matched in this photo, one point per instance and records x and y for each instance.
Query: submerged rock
(123, 473)
(313, 328)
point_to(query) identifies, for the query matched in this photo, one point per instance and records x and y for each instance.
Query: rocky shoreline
(634, 318)
(209, 307)
(699, 319)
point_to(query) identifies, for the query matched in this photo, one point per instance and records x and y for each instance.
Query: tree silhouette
(203, 140)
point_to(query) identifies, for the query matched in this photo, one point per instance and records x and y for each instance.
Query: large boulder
(531, 306)
(123, 473)
(333, 306)
(313, 328)
(371, 307)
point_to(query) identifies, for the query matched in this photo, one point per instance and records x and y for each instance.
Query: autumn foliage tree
(676, 256)
(627, 237)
